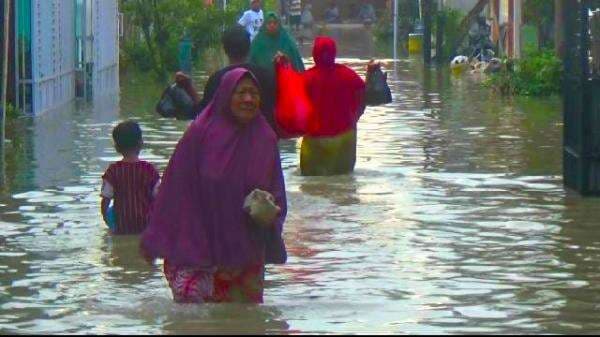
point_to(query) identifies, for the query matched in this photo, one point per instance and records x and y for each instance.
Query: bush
(12, 112)
(538, 73)
(135, 53)
(384, 30)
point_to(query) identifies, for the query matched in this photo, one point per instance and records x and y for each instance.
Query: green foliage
(538, 73)
(136, 53)
(384, 29)
(452, 19)
(12, 112)
(159, 25)
(540, 13)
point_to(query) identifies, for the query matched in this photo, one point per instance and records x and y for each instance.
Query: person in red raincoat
(337, 95)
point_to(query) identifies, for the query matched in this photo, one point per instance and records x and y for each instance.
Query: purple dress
(198, 223)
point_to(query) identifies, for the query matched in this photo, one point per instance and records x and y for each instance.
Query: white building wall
(106, 48)
(53, 53)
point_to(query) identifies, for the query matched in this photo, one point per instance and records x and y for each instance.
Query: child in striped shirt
(131, 183)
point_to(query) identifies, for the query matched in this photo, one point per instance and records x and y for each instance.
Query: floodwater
(455, 221)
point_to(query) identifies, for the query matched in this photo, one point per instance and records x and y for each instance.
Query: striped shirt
(132, 186)
(295, 7)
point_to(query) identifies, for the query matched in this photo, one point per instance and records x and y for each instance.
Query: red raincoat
(336, 92)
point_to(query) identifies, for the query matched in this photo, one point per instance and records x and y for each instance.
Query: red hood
(324, 51)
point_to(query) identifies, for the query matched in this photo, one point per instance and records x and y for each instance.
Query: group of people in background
(194, 216)
(299, 17)
(365, 13)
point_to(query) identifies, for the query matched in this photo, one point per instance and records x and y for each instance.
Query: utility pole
(395, 22)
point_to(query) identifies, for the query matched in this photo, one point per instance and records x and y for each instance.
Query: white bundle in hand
(261, 207)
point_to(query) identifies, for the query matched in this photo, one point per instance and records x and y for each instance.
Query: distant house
(63, 49)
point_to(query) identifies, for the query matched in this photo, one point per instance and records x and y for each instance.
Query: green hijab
(265, 46)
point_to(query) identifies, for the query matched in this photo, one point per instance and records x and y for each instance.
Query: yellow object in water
(458, 69)
(326, 156)
(415, 43)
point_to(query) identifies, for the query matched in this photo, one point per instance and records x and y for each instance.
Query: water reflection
(214, 320)
(342, 192)
(121, 252)
(19, 155)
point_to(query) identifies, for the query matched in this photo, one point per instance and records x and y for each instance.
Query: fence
(581, 155)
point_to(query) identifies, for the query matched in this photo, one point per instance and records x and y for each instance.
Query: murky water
(455, 221)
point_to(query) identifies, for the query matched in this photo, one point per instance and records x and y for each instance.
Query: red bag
(293, 108)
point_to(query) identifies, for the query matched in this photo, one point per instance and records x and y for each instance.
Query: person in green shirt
(271, 39)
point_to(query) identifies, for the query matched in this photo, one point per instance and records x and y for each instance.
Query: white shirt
(108, 191)
(295, 7)
(252, 21)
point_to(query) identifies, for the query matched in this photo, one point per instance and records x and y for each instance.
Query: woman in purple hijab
(212, 249)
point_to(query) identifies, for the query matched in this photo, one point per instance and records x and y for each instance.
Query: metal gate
(581, 155)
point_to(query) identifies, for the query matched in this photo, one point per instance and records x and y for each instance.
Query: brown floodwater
(455, 221)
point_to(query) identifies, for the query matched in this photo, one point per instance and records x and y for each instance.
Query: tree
(162, 23)
(540, 13)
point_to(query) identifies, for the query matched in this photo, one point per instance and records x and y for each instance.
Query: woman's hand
(281, 59)
(183, 80)
(261, 207)
(373, 65)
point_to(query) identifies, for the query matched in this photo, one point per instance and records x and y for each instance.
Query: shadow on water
(455, 221)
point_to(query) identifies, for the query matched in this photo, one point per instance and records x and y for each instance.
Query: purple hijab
(197, 218)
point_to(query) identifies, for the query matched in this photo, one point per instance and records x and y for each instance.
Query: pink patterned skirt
(216, 285)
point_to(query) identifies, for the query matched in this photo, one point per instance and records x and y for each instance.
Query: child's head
(128, 138)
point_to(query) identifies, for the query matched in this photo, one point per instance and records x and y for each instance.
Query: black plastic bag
(378, 91)
(175, 103)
